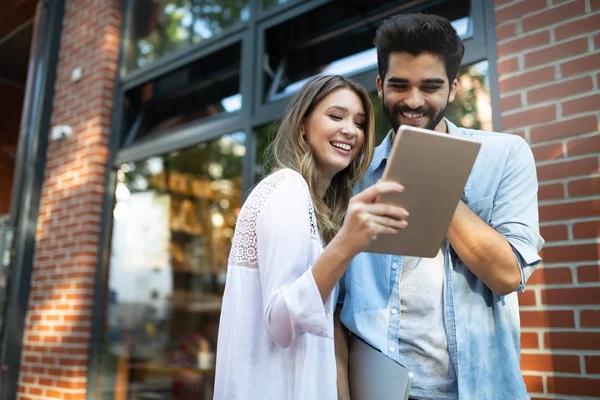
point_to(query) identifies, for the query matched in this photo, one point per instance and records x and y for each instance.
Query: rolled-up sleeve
(292, 302)
(515, 209)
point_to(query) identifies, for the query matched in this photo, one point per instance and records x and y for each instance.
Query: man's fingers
(386, 222)
(387, 210)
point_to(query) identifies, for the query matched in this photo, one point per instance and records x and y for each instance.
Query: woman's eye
(360, 125)
(335, 117)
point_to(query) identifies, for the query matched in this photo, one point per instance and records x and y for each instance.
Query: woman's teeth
(342, 146)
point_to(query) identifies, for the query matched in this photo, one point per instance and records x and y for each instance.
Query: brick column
(56, 339)
(549, 71)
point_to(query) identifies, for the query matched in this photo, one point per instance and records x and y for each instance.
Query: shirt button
(394, 311)
(392, 349)
(395, 266)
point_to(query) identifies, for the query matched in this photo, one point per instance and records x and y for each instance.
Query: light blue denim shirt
(483, 330)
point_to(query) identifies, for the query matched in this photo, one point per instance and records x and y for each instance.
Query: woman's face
(335, 130)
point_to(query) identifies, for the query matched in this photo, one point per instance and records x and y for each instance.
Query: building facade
(143, 126)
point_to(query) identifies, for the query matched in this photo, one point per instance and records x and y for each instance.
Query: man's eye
(430, 88)
(399, 87)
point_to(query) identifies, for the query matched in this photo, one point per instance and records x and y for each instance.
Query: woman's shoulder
(288, 180)
(289, 190)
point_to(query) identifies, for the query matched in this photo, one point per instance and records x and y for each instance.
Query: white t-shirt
(275, 334)
(422, 342)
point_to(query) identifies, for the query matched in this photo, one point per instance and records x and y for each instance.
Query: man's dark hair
(417, 34)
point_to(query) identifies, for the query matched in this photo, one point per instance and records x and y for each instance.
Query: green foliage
(181, 23)
(463, 110)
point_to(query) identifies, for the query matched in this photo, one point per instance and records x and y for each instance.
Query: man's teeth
(412, 115)
(342, 146)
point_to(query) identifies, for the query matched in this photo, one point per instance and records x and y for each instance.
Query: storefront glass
(304, 47)
(202, 89)
(174, 219)
(163, 27)
(264, 4)
(472, 107)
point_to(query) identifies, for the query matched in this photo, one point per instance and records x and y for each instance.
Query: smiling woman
(290, 247)
(335, 131)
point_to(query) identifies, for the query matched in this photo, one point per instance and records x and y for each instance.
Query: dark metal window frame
(475, 50)
(255, 112)
(29, 178)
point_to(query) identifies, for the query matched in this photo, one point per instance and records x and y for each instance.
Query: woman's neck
(322, 187)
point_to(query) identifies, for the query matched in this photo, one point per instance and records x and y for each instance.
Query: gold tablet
(433, 168)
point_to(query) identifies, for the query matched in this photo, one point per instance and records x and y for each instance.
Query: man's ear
(453, 88)
(379, 83)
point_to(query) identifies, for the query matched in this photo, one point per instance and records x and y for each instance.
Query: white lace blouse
(275, 334)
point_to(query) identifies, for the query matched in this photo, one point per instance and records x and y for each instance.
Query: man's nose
(414, 99)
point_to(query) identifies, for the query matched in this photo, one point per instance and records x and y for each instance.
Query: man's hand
(484, 251)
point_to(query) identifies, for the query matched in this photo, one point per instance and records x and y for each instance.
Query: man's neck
(442, 127)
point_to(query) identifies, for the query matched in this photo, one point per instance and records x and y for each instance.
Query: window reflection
(362, 61)
(264, 4)
(264, 136)
(330, 40)
(472, 107)
(174, 219)
(202, 89)
(161, 27)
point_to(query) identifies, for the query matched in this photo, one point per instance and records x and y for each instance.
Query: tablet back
(433, 168)
(372, 375)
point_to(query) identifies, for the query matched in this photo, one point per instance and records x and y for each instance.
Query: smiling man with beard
(453, 320)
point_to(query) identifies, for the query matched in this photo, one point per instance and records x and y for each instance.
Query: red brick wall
(549, 72)
(55, 345)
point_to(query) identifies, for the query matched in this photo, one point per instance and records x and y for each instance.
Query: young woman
(276, 330)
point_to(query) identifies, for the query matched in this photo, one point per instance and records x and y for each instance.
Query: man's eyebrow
(435, 81)
(393, 79)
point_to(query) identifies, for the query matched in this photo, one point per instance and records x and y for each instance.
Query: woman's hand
(366, 219)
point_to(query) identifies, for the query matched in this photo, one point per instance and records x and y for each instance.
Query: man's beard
(393, 115)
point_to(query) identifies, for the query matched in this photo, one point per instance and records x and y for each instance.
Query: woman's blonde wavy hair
(290, 150)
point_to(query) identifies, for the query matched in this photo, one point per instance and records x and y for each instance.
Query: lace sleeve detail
(244, 247)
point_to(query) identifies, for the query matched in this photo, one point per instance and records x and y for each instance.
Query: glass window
(264, 4)
(334, 40)
(472, 107)
(174, 220)
(204, 88)
(6, 239)
(161, 27)
(264, 136)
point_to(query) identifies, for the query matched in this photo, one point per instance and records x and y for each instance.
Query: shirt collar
(453, 129)
(382, 152)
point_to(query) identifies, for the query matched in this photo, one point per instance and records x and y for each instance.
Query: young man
(454, 319)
